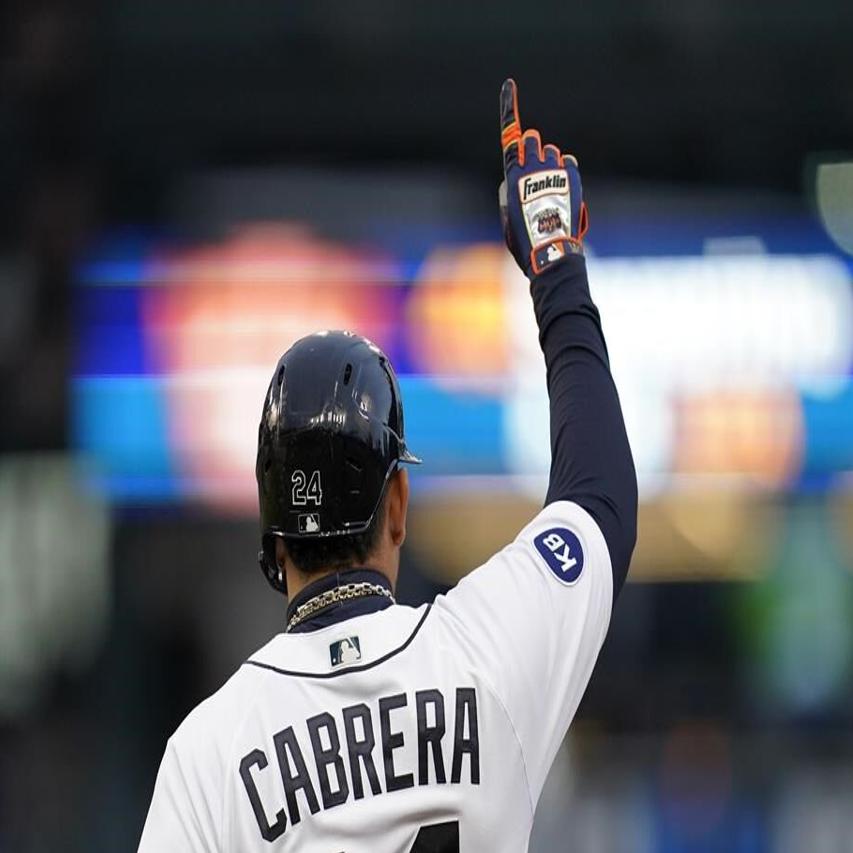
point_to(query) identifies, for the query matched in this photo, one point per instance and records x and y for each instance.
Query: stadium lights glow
(714, 356)
(683, 330)
(834, 200)
(727, 320)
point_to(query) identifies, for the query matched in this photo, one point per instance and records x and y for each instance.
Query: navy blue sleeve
(591, 461)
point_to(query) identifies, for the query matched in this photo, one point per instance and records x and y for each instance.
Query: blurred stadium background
(188, 187)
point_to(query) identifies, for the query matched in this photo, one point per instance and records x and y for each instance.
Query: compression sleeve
(591, 461)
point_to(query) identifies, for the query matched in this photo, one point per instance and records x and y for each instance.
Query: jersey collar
(342, 610)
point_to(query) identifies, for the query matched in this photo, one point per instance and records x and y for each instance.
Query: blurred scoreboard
(733, 362)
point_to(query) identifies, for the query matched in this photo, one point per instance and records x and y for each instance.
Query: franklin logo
(540, 184)
(345, 651)
(562, 552)
(309, 522)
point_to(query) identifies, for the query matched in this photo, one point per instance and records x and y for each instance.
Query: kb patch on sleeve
(561, 549)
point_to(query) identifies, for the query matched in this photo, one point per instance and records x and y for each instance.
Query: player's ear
(279, 552)
(398, 506)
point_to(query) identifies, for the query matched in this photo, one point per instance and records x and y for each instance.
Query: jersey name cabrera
(356, 756)
(405, 729)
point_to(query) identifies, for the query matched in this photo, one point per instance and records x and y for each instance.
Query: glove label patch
(548, 221)
(546, 205)
(551, 182)
(561, 549)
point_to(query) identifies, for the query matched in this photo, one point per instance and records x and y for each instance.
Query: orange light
(243, 302)
(456, 314)
(220, 319)
(753, 433)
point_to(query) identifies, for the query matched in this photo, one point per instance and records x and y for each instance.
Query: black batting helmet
(331, 434)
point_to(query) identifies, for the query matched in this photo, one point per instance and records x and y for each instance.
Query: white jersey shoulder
(405, 729)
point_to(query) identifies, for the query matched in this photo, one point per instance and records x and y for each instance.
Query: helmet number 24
(306, 489)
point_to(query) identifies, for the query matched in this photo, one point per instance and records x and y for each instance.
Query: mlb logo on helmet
(309, 522)
(561, 549)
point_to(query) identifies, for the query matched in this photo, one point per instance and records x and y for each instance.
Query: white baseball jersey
(408, 729)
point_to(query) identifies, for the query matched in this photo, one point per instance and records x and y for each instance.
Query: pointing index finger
(510, 122)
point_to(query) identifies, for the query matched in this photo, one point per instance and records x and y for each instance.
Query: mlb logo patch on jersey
(344, 651)
(561, 549)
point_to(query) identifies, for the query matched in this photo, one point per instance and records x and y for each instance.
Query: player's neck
(298, 581)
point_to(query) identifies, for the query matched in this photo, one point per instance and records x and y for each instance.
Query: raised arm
(545, 220)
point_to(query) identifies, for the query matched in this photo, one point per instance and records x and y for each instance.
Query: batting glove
(541, 199)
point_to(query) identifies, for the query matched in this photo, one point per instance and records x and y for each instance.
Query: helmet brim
(408, 457)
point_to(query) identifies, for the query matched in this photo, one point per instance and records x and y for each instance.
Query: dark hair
(336, 552)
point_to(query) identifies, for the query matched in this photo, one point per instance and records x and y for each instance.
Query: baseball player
(369, 726)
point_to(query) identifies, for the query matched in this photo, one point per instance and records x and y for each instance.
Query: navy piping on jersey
(340, 610)
(351, 669)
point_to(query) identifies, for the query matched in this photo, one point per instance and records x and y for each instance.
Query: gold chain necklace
(344, 592)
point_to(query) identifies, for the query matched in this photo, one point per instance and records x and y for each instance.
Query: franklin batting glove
(542, 210)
